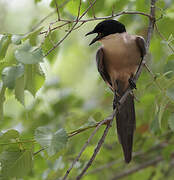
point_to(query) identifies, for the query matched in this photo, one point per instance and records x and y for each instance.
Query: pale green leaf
(8, 138)
(4, 44)
(53, 141)
(33, 36)
(19, 89)
(16, 163)
(10, 74)
(59, 140)
(33, 81)
(27, 55)
(43, 136)
(9, 135)
(47, 45)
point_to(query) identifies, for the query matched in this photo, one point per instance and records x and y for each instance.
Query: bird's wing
(141, 45)
(101, 67)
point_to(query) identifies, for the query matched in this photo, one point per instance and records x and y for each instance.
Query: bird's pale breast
(121, 55)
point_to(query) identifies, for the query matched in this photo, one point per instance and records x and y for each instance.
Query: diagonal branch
(86, 144)
(101, 141)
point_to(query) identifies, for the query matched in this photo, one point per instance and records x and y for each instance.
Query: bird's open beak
(98, 37)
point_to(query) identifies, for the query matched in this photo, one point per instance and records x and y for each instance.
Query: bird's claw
(132, 83)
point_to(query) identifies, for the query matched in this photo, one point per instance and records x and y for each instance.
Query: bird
(118, 59)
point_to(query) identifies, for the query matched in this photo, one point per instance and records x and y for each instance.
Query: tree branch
(59, 42)
(101, 141)
(86, 144)
(99, 18)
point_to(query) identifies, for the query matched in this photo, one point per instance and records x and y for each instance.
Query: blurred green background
(71, 94)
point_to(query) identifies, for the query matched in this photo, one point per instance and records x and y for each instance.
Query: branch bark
(101, 141)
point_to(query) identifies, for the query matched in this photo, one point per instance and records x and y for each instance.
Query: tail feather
(125, 118)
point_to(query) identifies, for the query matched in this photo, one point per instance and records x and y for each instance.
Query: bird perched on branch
(118, 59)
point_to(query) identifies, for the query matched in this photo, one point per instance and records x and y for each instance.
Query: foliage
(43, 99)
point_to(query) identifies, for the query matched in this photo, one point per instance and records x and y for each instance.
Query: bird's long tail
(125, 119)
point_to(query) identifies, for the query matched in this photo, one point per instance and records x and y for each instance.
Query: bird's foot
(132, 83)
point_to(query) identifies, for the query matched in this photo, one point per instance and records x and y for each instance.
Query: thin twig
(78, 14)
(86, 144)
(93, 12)
(57, 9)
(67, 34)
(150, 71)
(100, 18)
(37, 152)
(57, 27)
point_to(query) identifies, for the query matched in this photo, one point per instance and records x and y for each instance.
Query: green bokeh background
(73, 93)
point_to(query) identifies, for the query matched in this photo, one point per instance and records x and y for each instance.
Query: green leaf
(171, 122)
(16, 39)
(53, 141)
(26, 55)
(47, 45)
(19, 89)
(59, 141)
(33, 80)
(33, 36)
(16, 163)
(7, 138)
(2, 99)
(4, 44)
(10, 74)
(9, 135)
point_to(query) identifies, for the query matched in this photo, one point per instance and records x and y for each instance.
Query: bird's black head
(106, 28)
